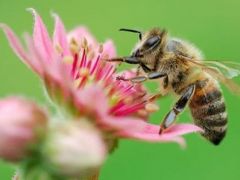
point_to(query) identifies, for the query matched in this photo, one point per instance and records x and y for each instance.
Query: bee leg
(129, 60)
(154, 97)
(139, 79)
(138, 70)
(156, 75)
(145, 68)
(178, 107)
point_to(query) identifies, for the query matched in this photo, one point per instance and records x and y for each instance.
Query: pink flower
(22, 123)
(76, 77)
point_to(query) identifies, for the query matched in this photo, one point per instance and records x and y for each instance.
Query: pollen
(74, 47)
(84, 72)
(114, 99)
(142, 113)
(84, 43)
(59, 49)
(151, 107)
(68, 59)
(100, 49)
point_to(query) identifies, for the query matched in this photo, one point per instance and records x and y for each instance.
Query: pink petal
(80, 33)
(41, 38)
(55, 73)
(54, 70)
(17, 47)
(154, 138)
(59, 36)
(121, 124)
(150, 132)
(93, 98)
(35, 57)
(180, 129)
(137, 129)
(109, 49)
(58, 75)
(50, 68)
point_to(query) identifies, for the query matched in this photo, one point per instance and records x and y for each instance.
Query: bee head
(151, 44)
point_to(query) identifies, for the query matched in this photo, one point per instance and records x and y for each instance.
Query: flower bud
(75, 149)
(21, 121)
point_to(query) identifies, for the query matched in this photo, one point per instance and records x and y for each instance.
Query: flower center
(86, 66)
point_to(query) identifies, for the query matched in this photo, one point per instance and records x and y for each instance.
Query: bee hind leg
(179, 106)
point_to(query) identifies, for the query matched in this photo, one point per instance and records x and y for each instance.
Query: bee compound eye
(152, 42)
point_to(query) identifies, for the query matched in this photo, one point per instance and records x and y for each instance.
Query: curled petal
(44, 69)
(17, 47)
(41, 38)
(33, 53)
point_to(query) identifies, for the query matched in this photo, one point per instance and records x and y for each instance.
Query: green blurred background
(214, 26)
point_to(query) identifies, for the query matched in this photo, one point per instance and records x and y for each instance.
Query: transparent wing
(223, 71)
(228, 68)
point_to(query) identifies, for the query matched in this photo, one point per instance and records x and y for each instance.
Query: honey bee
(181, 70)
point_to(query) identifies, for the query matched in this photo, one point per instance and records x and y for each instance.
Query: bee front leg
(129, 60)
(138, 70)
(149, 76)
(178, 107)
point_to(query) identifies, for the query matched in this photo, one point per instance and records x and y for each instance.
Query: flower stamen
(151, 107)
(59, 49)
(74, 47)
(84, 43)
(83, 59)
(100, 49)
(74, 65)
(95, 65)
(68, 59)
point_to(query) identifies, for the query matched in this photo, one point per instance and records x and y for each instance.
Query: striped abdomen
(208, 110)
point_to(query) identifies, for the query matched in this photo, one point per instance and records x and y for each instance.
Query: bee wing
(222, 71)
(228, 69)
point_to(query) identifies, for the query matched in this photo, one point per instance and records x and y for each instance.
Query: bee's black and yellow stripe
(208, 110)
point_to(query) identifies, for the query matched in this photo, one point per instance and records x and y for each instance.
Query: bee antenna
(132, 30)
